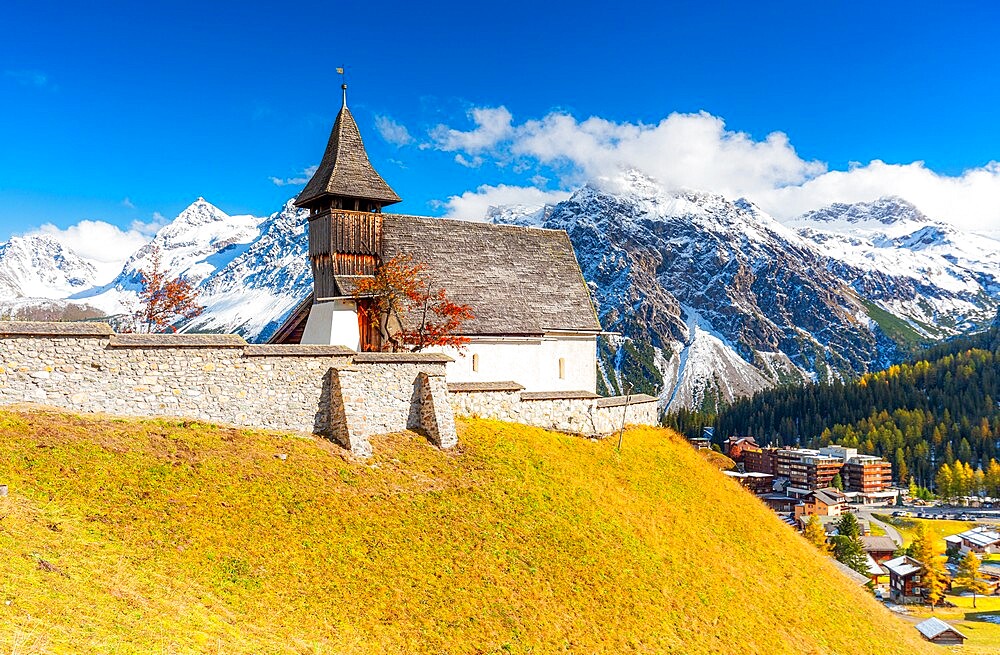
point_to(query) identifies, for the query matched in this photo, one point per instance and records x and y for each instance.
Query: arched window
(562, 368)
(475, 362)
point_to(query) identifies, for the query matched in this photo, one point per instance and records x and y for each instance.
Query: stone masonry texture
(331, 391)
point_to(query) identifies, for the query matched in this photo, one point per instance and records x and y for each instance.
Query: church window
(475, 362)
(562, 368)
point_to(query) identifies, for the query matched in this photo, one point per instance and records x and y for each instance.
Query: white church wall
(335, 323)
(531, 362)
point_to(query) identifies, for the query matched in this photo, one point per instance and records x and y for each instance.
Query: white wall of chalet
(533, 362)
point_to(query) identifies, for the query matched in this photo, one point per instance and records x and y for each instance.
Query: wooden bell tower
(345, 197)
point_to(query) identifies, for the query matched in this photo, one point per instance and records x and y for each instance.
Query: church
(534, 323)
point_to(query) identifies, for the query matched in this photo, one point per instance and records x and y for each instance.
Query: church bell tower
(345, 197)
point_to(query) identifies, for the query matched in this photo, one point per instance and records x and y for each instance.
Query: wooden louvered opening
(343, 243)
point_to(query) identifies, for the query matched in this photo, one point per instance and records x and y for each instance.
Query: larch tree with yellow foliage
(933, 577)
(815, 534)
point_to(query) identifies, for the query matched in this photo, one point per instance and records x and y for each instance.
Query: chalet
(700, 443)
(779, 503)
(736, 445)
(904, 580)
(880, 549)
(534, 323)
(937, 631)
(982, 541)
(822, 502)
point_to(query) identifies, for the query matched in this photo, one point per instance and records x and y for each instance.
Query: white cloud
(298, 180)
(105, 245)
(473, 205)
(698, 151)
(33, 78)
(474, 162)
(493, 125)
(970, 200)
(127, 202)
(393, 132)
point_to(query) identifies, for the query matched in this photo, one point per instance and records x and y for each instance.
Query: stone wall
(382, 393)
(576, 412)
(327, 390)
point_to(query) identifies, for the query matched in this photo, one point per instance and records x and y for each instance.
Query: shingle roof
(828, 498)
(345, 169)
(880, 544)
(517, 280)
(934, 627)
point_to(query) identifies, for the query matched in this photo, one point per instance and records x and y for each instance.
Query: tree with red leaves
(412, 314)
(164, 301)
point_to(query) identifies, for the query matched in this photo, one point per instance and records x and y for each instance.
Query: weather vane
(343, 83)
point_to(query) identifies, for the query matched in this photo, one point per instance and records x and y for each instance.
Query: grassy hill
(123, 536)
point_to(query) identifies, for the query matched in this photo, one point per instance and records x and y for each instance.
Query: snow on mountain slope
(257, 289)
(41, 267)
(250, 272)
(943, 280)
(716, 295)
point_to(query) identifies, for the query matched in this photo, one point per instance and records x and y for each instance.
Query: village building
(534, 323)
(904, 580)
(757, 483)
(982, 541)
(736, 445)
(937, 631)
(866, 479)
(881, 549)
(760, 460)
(822, 502)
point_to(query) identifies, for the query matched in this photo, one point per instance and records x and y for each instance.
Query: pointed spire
(345, 170)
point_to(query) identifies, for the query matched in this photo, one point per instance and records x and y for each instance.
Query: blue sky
(126, 112)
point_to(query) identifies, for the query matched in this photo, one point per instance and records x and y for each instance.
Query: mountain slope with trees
(938, 408)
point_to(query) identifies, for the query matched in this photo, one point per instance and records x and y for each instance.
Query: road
(890, 531)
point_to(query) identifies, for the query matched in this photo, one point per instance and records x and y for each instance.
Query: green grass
(123, 536)
(895, 327)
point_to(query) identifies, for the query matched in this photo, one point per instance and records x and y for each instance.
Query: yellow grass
(165, 537)
(983, 634)
(938, 528)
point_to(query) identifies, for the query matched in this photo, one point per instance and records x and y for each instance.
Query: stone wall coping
(402, 358)
(558, 395)
(467, 387)
(296, 350)
(619, 401)
(54, 329)
(177, 341)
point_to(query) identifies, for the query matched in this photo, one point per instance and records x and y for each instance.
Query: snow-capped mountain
(717, 298)
(41, 267)
(942, 280)
(250, 272)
